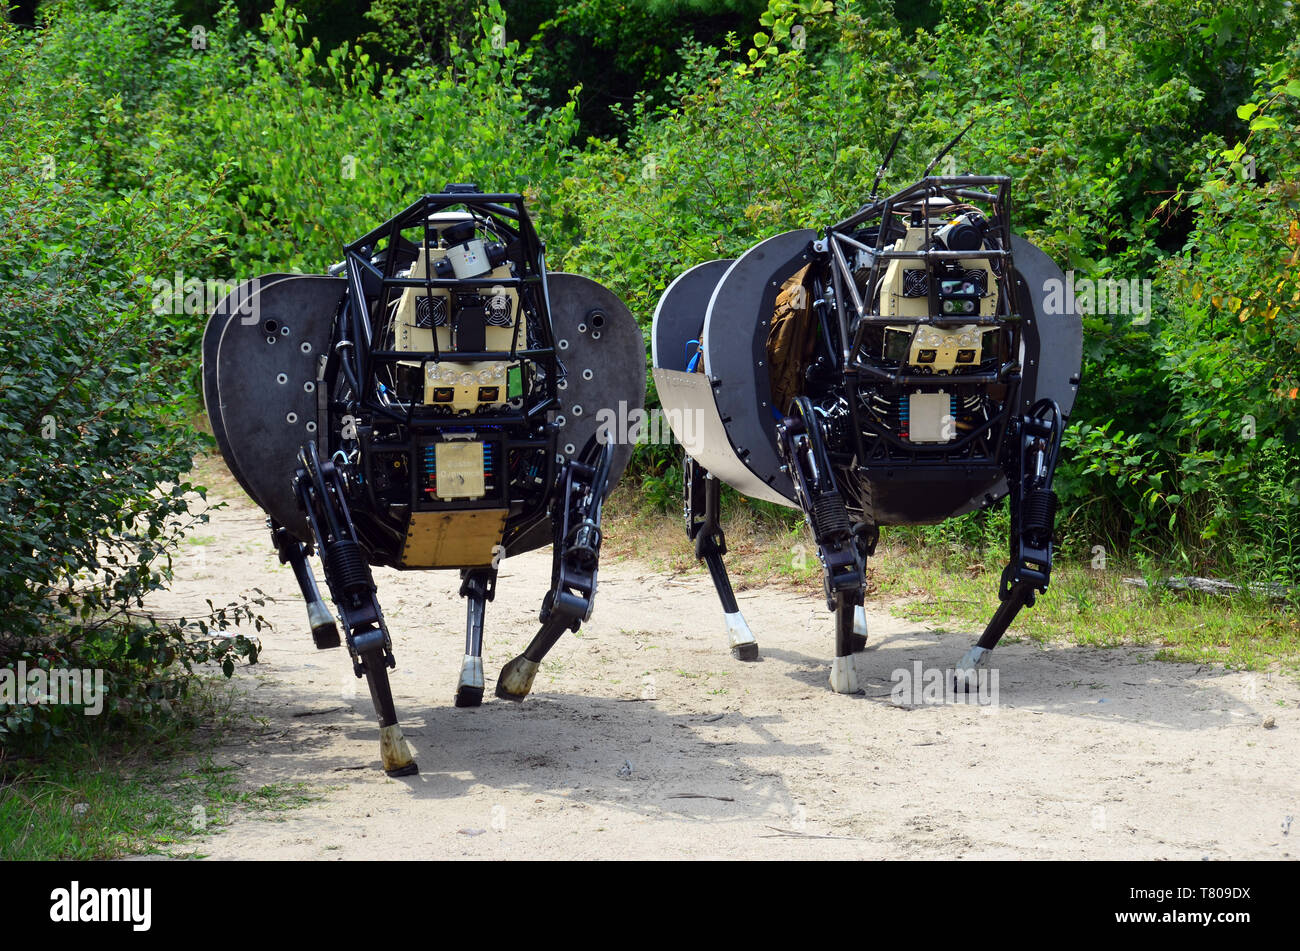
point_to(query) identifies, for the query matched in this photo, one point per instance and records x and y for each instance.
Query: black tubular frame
(373, 285)
(854, 317)
(497, 210)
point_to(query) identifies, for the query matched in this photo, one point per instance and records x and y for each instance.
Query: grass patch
(274, 798)
(157, 793)
(1095, 608)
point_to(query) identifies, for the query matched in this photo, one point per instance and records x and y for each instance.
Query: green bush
(94, 436)
(322, 146)
(1230, 342)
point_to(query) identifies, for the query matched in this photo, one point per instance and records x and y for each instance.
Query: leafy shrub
(322, 146)
(94, 439)
(1229, 346)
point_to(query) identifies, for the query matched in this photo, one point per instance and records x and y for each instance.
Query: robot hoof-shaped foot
(516, 679)
(395, 753)
(966, 676)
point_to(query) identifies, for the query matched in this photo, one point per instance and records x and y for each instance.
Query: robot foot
(516, 679)
(740, 638)
(324, 631)
(469, 691)
(844, 675)
(966, 675)
(395, 753)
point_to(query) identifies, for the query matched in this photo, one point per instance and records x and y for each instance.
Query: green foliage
(94, 442)
(1229, 346)
(422, 31)
(616, 50)
(149, 667)
(136, 66)
(322, 146)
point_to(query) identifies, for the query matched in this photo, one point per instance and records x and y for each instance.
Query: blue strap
(692, 361)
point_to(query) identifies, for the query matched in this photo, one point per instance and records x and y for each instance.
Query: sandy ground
(644, 738)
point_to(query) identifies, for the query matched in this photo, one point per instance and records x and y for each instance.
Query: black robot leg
(324, 632)
(865, 536)
(703, 494)
(575, 557)
(1035, 444)
(840, 546)
(477, 587)
(347, 574)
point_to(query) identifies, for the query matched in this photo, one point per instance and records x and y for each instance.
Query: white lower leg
(471, 673)
(738, 632)
(844, 675)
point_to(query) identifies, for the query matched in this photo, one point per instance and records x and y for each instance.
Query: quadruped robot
(430, 403)
(911, 363)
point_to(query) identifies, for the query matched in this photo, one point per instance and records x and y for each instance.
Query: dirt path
(1087, 754)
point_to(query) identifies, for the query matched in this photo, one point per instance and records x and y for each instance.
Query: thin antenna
(946, 149)
(884, 164)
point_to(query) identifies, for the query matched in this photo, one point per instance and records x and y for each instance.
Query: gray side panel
(239, 300)
(266, 380)
(680, 314)
(735, 350)
(605, 366)
(1055, 375)
(687, 399)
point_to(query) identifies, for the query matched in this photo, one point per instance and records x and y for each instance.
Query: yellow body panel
(460, 470)
(945, 341)
(411, 337)
(453, 539)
